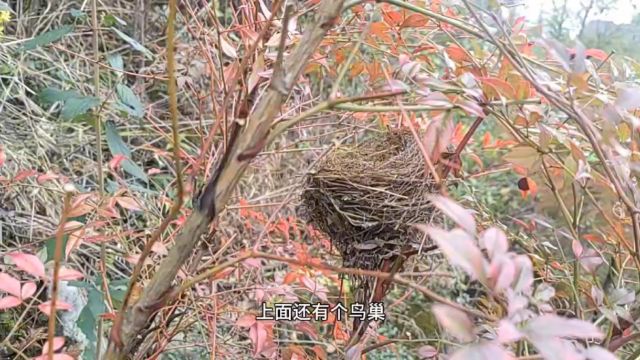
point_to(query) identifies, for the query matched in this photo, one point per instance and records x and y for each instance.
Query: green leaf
(134, 44)
(47, 37)
(77, 106)
(116, 62)
(118, 146)
(88, 321)
(77, 13)
(128, 101)
(51, 246)
(51, 95)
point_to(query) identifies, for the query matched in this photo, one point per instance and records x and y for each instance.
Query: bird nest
(366, 197)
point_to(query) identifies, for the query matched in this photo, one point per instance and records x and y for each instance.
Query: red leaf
(9, 302)
(454, 322)
(31, 264)
(596, 53)
(69, 274)
(28, 290)
(461, 216)
(9, 284)
(45, 307)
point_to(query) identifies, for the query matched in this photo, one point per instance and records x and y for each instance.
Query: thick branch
(247, 143)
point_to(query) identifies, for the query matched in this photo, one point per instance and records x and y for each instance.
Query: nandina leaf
(69, 274)
(457, 54)
(31, 264)
(460, 249)
(3, 156)
(246, 320)
(45, 307)
(461, 216)
(9, 302)
(482, 351)
(554, 326)
(414, 20)
(9, 284)
(28, 290)
(494, 241)
(128, 203)
(454, 322)
(501, 87)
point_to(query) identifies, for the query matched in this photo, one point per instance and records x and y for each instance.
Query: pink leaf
(555, 348)
(31, 264)
(628, 98)
(598, 353)
(460, 249)
(502, 272)
(576, 247)
(28, 290)
(354, 352)
(590, 260)
(482, 351)
(494, 241)
(471, 108)
(246, 320)
(55, 357)
(69, 274)
(524, 280)
(454, 321)
(45, 307)
(258, 335)
(549, 326)
(9, 284)
(128, 203)
(507, 332)
(427, 352)
(457, 213)
(58, 343)
(9, 302)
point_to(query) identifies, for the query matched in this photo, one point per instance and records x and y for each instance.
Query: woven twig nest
(365, 197)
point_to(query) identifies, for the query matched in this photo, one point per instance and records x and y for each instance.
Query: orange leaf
(414, 20)
(79, 210)
(457, 54)
(290, 278)
(486, 140)
(501, 87)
